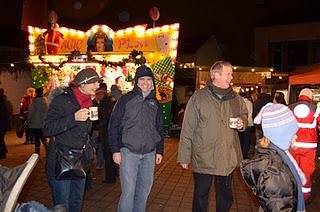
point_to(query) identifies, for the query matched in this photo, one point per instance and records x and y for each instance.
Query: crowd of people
(218, 127)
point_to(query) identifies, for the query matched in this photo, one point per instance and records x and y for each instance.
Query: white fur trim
(301, 111)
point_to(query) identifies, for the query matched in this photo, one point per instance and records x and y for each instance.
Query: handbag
(73, 163)
(69, 164)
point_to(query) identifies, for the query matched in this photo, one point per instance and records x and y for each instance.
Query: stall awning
(305, 75)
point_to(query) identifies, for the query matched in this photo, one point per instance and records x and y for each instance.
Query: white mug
(233, 123)
(93, 113)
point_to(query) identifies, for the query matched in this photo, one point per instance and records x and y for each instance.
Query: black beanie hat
(39, 91)
(86, 76)
(143, 71)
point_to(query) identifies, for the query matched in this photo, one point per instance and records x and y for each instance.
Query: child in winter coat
(272, 174)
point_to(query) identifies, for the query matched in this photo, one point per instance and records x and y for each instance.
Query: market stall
(302, 77)
(58, 53)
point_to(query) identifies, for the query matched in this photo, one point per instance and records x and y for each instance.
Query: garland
(135, 57)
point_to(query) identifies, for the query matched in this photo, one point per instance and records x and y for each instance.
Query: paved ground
(172, 189)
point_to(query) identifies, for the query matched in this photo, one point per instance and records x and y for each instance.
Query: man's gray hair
(217, 67)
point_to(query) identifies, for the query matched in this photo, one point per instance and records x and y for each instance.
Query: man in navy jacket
(136, 140)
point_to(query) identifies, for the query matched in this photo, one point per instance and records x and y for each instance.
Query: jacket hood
(143, 71)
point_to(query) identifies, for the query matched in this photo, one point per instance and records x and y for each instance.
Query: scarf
(220, 93)
(84, 100)
(285, 157)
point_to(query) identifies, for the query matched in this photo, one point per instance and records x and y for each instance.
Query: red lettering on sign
(72, 44)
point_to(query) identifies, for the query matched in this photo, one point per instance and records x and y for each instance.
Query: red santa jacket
(307, 115)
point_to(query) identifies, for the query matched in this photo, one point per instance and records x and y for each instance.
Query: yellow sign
(160, 41)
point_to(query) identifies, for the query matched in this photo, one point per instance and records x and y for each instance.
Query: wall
(15, 86)
(264, 35)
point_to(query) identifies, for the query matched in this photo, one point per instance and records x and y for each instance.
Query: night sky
(232, 22)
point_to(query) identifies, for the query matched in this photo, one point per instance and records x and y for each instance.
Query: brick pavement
(172, 190)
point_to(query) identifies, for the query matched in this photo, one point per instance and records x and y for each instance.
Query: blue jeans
(136, 178)
(67, 192)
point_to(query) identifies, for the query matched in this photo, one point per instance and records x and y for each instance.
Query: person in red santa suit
(305, 147)
(53, 39)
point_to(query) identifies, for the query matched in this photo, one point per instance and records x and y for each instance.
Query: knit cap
(278, 124)
(86, 76)
(143, 71)
(306, 92)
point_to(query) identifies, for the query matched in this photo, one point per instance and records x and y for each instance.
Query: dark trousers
(245, 138)
(202, 185)
(3, 147)
(38, 137)
(110, 166)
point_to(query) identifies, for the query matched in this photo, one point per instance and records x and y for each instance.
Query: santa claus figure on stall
(53, 34)
(305, 147)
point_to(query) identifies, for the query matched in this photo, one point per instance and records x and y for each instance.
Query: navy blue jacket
(136, 123)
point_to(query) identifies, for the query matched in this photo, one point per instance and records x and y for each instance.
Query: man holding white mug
(67, 120)
(209, 138)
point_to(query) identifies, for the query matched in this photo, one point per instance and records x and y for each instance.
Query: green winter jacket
(206, 138)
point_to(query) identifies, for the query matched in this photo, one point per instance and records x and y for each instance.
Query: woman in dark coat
(4, 122)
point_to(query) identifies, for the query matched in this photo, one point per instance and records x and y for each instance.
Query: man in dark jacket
(36, 114)
(262, 100)
(67, 121)
(136, 140)
(5, 121)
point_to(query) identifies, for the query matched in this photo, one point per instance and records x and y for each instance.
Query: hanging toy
(54, 35)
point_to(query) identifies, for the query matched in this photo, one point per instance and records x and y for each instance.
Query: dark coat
(270, 180)
(60, 123)
(136, 123)
(5, 120)
(105, 108)
(262, 100)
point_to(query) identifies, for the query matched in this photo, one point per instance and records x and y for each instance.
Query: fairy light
(173, 54)
(111, 34)
(156, 30)
(149, 31)
(174, 44)
(73, 32)
(105, 29)
(175, 35)
(120, 32)
(30, 29)
(80, 33)
(165, 28)
(129, 30)
(38, 30)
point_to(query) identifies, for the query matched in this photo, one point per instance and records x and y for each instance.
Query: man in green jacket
(209, 138)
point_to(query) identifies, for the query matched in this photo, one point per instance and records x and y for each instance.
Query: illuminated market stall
(58, 53)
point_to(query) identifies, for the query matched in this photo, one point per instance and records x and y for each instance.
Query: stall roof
(305, 75)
